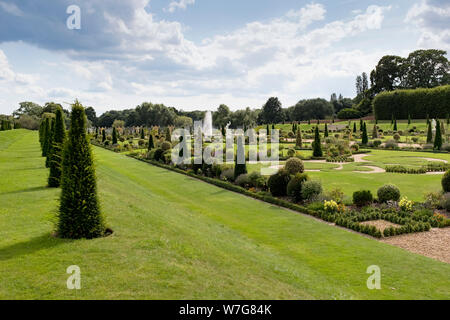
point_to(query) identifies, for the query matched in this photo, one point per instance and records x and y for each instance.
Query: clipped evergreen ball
(79, 211)
(446, 181)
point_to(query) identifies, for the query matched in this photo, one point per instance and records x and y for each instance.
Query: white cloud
(11, 8)
(180, 4)
(432, 17)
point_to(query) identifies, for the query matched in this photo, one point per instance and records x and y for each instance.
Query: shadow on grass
(45, 241)
(34, 189)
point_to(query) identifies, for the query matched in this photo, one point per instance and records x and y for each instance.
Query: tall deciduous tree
(79, 211)
(271, 112)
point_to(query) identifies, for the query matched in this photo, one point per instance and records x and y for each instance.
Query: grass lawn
(179, 238)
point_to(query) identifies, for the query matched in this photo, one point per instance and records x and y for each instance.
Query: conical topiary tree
(365, 138)
(298, 138)
(240, 166)
(429, 133)
(103, 135)
(79, 211)
(151, 144)
(142, 133)
(375, 132)
(438, 136)
(317, 146)
(354, 127)
(114, 136)
(46, 135)
(50, 144)
(59, 137)
(395, 124)
(326, 130)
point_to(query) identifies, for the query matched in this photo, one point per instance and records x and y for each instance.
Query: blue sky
(198, 54)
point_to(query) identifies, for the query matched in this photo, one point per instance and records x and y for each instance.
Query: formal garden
(286, 204)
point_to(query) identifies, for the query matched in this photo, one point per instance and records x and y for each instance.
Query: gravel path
(433, 244)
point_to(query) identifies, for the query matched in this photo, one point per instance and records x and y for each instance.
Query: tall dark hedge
(79, 212)
(59, 136)
(418, 103)
(50, 144)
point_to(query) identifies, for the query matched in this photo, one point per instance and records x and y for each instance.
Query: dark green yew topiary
(114, 136)
(103, 135)
(59, 137)
(151, 144)
(278, 182)
(240, 166)
(438, 136)
(317, 146)
(294, 187)
(446, 181)
(365, 138)
(46, 136)
(50, 144)
(388, 192)
(362, 198)
(79, 212)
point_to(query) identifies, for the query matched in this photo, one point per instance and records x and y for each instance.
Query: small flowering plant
(330, 206)
(405, 204)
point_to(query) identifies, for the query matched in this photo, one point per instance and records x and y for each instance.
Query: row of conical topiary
(71, 167)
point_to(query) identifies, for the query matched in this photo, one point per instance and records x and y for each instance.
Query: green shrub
(158, 155)
(59, 137)
(294, 187)
(311, 190)
(166, 145)
(445, 201)
(294, 166)
(362, 198)
(278, 182)
(388, 192)
(227, 174)
(243, 181)
(79, 212)
(446, 181)
(257, 180)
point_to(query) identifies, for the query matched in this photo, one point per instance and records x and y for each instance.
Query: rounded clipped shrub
(446, 181)
(294, 187)
(294, 166)
(158, 155)
(166, 145)
(243, 181)
(311, 190)
(278, 182)
(445, 201)
(362, 198)
(388, 192)
(227, 174)
(257, 180)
